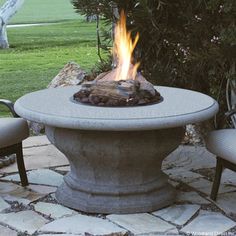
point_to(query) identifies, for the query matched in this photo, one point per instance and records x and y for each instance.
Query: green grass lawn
(38, 53)
(34, 11)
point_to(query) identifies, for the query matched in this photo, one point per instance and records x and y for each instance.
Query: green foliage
(185, 43)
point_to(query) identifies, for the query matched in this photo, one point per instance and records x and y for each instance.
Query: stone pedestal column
(115, 171)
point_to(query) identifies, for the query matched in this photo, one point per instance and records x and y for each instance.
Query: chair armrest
(10, 106)
(230, 113)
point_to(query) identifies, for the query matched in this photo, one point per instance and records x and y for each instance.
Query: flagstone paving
(227, 202)
(228, 177)
(36, 141)
(34, 210)
(181, 174)
(191, 197)
(142, 223)
(39, 157)
(63, 168)
(3, 204)
(62, 234)
(19, 200)
(5, 231)
(41, 176)
(209, 223)
(204, 186)
(79, 224)
(177, 214)
(42, 189)
(54, 211)
(190, 158)
(24, 221)
(12, 192)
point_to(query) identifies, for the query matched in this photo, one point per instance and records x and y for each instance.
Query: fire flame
(122, 51)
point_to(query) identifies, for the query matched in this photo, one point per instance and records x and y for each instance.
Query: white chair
(12, 132)
(222, 143)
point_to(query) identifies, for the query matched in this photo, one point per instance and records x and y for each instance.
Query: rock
(146, 86)
(7, 160)
(192, 135)
(71, 74)
(37, 128)
(106, 91)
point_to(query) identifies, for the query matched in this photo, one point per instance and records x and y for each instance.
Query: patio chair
(13, 131)
(222, 143)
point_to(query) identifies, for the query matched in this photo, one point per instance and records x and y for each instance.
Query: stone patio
(35, 211)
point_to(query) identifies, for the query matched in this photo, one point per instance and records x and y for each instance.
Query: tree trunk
(3, 35)
(9, 9)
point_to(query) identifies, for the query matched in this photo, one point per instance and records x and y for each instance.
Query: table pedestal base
(115, 172)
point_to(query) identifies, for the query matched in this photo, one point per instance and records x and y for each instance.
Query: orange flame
(123, 49)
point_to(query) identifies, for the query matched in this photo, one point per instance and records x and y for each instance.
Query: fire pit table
(115, 154)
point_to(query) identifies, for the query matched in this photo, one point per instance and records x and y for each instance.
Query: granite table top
(54, 107)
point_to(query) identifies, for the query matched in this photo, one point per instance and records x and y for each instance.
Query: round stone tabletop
(54, 107)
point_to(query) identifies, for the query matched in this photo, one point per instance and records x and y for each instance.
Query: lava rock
(105, 91)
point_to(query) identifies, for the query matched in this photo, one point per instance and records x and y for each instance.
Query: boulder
(71, 74)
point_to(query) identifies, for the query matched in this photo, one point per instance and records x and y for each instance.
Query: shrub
(184, 43)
